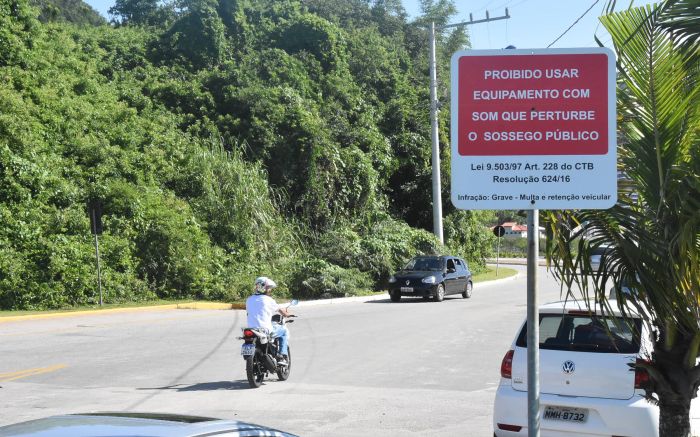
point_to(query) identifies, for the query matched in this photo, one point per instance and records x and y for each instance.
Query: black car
(431, 276)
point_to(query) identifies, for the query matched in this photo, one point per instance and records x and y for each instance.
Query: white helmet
(263, 284)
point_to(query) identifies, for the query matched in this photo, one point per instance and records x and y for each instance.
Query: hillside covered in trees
(224, 140)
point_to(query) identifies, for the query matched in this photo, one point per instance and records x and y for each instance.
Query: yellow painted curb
(175, 306)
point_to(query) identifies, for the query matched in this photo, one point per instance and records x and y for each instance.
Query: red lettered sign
(539, 104)
(533, 129)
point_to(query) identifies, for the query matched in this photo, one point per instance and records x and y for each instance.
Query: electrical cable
(598, 25)
(485, 6)
(574, 23)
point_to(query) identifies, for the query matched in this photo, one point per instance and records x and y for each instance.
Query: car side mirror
(451, 270)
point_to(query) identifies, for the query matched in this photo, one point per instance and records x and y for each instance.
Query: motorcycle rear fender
(261, 334)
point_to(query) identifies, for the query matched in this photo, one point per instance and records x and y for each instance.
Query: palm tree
(654, 230)
(682, 18)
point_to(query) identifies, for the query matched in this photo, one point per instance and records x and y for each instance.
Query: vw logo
(568, 367)
(408, 281)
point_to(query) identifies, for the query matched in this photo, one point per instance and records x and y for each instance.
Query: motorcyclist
(261, 307)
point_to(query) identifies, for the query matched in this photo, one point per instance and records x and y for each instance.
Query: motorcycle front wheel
(254, 370)
(283, 372)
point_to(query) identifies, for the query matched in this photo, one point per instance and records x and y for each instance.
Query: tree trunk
(674, 417)
(675, 388)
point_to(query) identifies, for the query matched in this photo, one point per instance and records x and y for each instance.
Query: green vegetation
(71, 11)
(224, 140)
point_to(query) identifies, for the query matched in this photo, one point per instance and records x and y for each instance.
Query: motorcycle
(260, 349)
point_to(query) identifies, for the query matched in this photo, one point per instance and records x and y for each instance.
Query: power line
(574, 23)
(595, 32)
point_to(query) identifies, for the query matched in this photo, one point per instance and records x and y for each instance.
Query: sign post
(533, 325)
(95, 208)
(499, 231)
(534, 129)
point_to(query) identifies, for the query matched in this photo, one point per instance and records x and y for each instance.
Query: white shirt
(261, 308)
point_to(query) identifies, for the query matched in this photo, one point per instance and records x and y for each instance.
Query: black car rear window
(586, 333)
(424, 264)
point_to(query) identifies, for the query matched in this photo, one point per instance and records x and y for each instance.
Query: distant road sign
(534, 129)
(499, 231)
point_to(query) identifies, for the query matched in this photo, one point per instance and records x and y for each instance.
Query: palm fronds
(654, 230)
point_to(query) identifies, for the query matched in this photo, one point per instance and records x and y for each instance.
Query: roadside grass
(490, 274)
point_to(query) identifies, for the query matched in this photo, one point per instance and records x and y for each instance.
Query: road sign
(534, 129)
(499, 231)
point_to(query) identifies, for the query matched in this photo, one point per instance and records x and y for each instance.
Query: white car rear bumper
(633, 417)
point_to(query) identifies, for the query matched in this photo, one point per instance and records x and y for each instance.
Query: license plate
(248, 349)
(407, 289)
(565, 414)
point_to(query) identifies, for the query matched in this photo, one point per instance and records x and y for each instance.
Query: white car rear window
(586, 333)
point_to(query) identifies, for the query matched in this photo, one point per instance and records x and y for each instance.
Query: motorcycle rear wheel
(254, 370)
(283, 372)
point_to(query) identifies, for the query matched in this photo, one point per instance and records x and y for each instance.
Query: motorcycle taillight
(248, 333)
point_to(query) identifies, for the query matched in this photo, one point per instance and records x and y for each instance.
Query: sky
(533, 23)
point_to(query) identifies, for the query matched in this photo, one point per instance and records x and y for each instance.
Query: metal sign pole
(498, 255)
(97, 253)
(533, 326)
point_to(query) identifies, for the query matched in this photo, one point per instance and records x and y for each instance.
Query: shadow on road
(413, 300)
(204, 386)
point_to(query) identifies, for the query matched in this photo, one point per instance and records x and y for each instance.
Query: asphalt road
(413, 368)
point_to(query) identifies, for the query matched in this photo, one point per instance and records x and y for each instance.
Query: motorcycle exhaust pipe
(269, 363)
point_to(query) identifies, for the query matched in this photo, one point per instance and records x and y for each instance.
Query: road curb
(515, 261)
(223, 306)
(498, 281)
(175, 306)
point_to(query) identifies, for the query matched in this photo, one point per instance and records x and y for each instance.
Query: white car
(588, 384)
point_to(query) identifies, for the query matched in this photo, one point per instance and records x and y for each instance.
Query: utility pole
(437, 195)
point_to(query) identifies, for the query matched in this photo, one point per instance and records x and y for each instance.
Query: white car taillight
(507, 365)
(641, 376)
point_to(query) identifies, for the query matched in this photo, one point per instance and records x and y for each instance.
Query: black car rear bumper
(418, 291)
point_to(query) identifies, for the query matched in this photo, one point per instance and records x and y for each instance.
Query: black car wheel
(440, 293)
(467, 293)
(395, 296)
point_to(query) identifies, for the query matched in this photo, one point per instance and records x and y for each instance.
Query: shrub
(314, 278)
